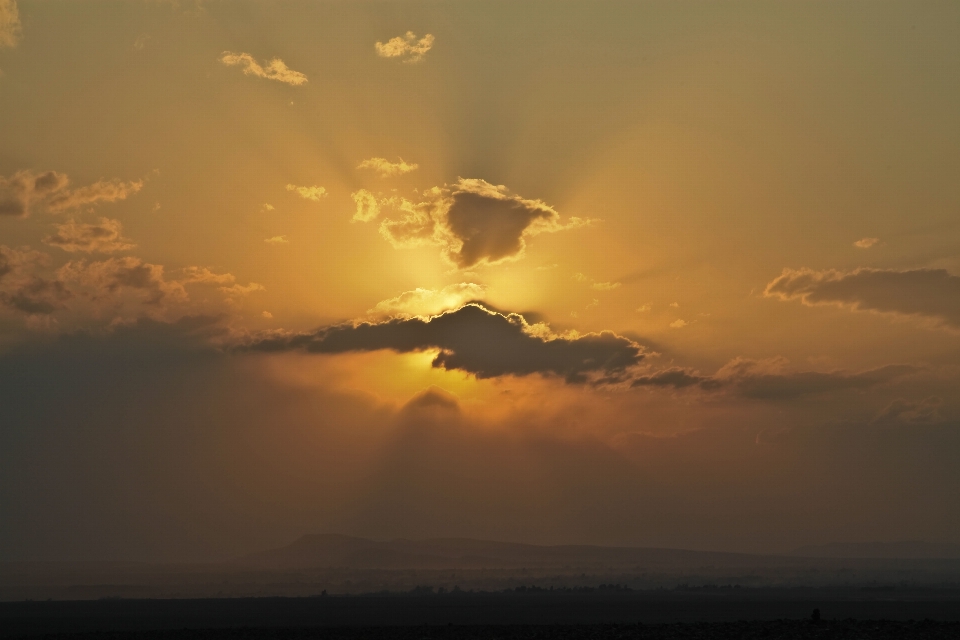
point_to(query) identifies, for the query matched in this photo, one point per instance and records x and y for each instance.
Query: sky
(666, 274)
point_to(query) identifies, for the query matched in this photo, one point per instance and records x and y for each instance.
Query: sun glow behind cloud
(788, 272)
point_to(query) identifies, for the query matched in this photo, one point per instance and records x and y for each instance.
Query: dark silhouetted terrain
(346, 565)
(773, 613)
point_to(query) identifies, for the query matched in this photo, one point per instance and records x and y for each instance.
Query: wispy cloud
(105, 236)
(429, 302)
(277, 240)
(388, 169)
(276, 69)
(605, 286)
(866, 243)
(405, 47)
(50, 191)
(100, 191)
(772, 380)
(309, 193)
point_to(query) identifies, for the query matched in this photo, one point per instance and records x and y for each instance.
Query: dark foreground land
(766, 630)
(635, 615)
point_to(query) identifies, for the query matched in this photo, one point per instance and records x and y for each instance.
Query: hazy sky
(714, 251)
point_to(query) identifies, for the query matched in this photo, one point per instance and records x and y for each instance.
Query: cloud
(770, 380)
(596, 286)
(9, 23)
(309, 193)
(473, 222)
(803, 383)
(927, 293)
(429, 302)
(242, 290)
(276, 69)
(22, 289)
(406, 47)
(49, 190)
(431, 401)
(100, 191)
(36, 295)
(473, 339)
(87, 294)
(643, 308)
(24, 187)
(905, 412)
(866, 243)
(605, 286)
(226, 282)
(145, 443)
(678, 324)
(367, 206)
(277, 240)
(106, 236)
(205, 276)
(674, 377)
(387, 169)
(116, 275)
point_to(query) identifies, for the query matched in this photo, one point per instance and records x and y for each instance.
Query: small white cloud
(141, 42)
(866, 243)
(605, 286)
(267, 207)
(428, 302)
(643, 308)
(579, 277)
(204, 275)
(547, 267)
(367, 206)
(267, 315)
(276, 69)
(388, 169)
(277, 240)
(242, 290)
(406, 47)
(593, 303)
(675, 305)
(678, 324)
(156, 206)
(309, 193)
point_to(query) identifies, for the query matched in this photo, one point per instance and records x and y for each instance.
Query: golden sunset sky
(712, 251)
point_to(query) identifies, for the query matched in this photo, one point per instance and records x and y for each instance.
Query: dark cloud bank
(748, 382)
(147, 443)
(473, 339)
(929, 293)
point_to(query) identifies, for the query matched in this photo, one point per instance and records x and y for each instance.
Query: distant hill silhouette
(341, 564)
(333, 550)
(908, 549)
